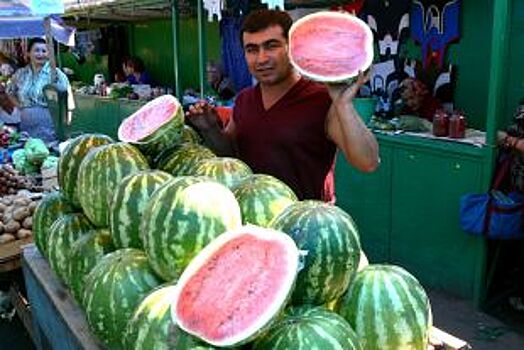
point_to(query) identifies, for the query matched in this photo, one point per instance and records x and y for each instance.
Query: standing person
(27, 88)
(135, 72)
(222, 86)
(286, 125)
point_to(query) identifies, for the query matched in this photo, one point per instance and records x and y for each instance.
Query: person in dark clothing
(135, 72)
(221, 85)
(286, 125)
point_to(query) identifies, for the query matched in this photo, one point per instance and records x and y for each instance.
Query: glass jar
(457, 125)
(440, 123)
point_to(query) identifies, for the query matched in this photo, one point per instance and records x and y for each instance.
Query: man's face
(213, 75)
(266, 55)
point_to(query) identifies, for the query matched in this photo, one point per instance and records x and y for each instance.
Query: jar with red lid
(440, 123)
(457, 125)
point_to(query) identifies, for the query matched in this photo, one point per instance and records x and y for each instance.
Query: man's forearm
(218, 142)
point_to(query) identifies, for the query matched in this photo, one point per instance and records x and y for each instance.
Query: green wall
(152, 41)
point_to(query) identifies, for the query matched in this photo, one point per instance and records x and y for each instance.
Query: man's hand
(345, 92)
(202, 116)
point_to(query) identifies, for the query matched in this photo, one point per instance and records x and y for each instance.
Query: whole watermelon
(262, 198)
(128, 203)
(113, 290)
(227, 171)
(181, 218)
(50, 208)
(330, 239)
(156, 126)
(182, 160)
(64, 232)
(100, 172)
(84, 254)
(306, 328)
(388, 309)
(70, 160)
(152, 328)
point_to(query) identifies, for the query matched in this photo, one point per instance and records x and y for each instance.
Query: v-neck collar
(288, 93)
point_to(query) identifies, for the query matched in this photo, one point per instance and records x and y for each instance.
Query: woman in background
(27, 88)
(134, 71)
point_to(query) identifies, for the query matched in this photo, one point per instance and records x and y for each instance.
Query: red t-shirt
(289, 140)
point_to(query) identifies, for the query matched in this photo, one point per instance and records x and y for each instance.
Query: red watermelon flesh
(154, 114)
(330, 46)
(236, 285)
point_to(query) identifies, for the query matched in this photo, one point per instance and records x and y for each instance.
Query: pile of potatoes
(11, 181)
(16, 217)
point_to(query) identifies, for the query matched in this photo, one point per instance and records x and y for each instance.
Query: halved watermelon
(329, 46)
(236, 286)
(156, 125)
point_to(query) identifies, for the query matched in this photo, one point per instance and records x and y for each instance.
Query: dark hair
(34, 41)
(259, 20)
(136, 63)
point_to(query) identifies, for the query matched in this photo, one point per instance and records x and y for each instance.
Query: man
(222, 86)
(288, 126)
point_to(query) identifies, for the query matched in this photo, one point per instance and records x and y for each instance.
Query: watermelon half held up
(156, 125)
(330, 46)
(236, 286)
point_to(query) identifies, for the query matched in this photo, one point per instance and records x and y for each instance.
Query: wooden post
(50, 48)
(201, 47)
(176, 48)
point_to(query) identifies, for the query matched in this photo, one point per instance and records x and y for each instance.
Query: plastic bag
(21, 164)
(36, 151)
(50, 162)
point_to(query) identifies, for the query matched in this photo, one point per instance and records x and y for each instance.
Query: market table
(59, 322)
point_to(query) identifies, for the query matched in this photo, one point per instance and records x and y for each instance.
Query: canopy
(18, 20)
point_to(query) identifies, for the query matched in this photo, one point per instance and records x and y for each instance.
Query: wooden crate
(58, 321)
(10, 254)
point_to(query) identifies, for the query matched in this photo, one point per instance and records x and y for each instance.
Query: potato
(12, 226)
(32, 206)
(28, 222)
(1, 228)
(23, 233)
(21, 213)
(22, 202)
(6, 238)
(3, 207)
(6, 201)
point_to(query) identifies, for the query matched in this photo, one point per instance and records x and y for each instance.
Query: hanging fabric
(273, 4)
(233, 60)
(237, 7)
(214, 7)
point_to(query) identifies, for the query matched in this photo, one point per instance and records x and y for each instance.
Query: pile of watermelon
(166, 246)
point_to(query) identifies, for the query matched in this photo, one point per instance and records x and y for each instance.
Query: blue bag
(494, 214)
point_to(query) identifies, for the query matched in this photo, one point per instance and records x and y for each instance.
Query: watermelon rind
(226, 170)
(388, 309)
(71, 158)
(306, 328)
(368, 49)
(271, 312)
(165, 135)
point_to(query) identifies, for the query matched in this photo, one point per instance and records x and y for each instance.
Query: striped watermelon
(155, 126)
(48, 210)
(129, 201)
(183, 160)
(388, 309)
(189, 135)
(236, 286)
(228, 171)
(113, 290)
(100, 172)
(153, 328)
(330, 238)
(181, 218)
(85, 253)
(262, 198)
(307, 328)
(63, 233)
(70, 160)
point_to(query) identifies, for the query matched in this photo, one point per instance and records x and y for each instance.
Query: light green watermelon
(262, 198)
(189, 135)
(114, 288)
(388, 309)
(155, 126)
(330, 239)
(70, 160)
(127, 206)
(84, 254)
(308, 328)
(182, 160)
(181, 218)
(64, 232)
(100, 172)
(153, 328)
(48, 210)
(228, 171)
